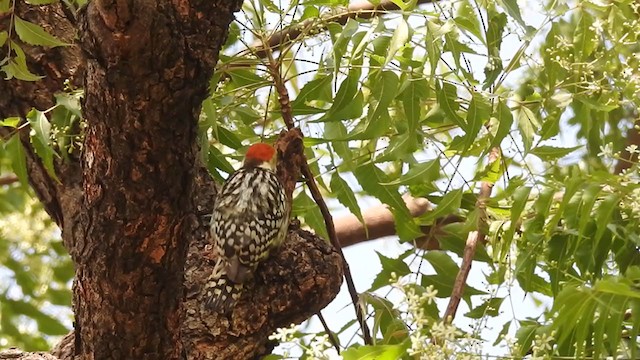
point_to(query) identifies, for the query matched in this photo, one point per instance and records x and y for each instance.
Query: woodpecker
(250, 218)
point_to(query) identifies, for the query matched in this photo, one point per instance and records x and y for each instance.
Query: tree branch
(287, 115)
(378, 222)
(296, 282)
(8, 179)
(15, 354)
(358, 9)
(57, 64)
(473, 239)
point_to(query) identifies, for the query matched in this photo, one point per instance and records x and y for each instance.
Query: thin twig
(8, 179)
(330, 334)
(285, 108)
(328, 220)
(473, 239)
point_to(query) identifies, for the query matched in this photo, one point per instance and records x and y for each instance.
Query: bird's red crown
(260, 152)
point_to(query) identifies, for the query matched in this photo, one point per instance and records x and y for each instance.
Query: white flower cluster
(429, 339)
(319, 347)
(542, 345)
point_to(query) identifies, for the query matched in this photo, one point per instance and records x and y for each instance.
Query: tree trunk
(147, 73)
(130, 205)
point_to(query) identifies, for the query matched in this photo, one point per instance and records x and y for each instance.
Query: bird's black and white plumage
(250, 218)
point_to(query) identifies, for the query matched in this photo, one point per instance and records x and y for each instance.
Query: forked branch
(285, 106)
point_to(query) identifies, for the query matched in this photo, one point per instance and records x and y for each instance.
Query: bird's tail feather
(222, 293)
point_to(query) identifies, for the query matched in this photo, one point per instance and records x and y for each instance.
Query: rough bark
(130, 206)
(295, 283)
(148, 64)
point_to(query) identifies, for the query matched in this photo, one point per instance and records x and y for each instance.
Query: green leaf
(5, 6)
(477, 114)
(315, 90)
(443, 283)
(243, 77)
(584, 38)
(528, 125)
(378, 120)
(447, 95)
(271, 6)
(502, 333)
(16, 154)
(342, 191)
(387, 320)
(8, 327)
(59, 297)
(505, 121)
(50, 325)
(405, 5)
(604, 214)
(310, 12)
(306, 208)
(589, 197)
(345, 96)
(19, 70)
(442, 263)
(11, 122)
(375, 352)
(493, 69)
(351, 111)
(398, 40)
(525, 336)
(17, 66)
(342, 41)
(420, 173)
(227, 137)
(337, 132)
(434, 46)
(362, 40)
(457, 49)
(33, 34)
(545, 152)
(514, 11)
(41, 140)
(467, 20)
(491, 307)
(492, 172)
(371, 179)
(63, 272)
(449, 204)
(515, 60)
(216, 160)
(3, 37)
(399, 148)
(389, 265)
(384, 91)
